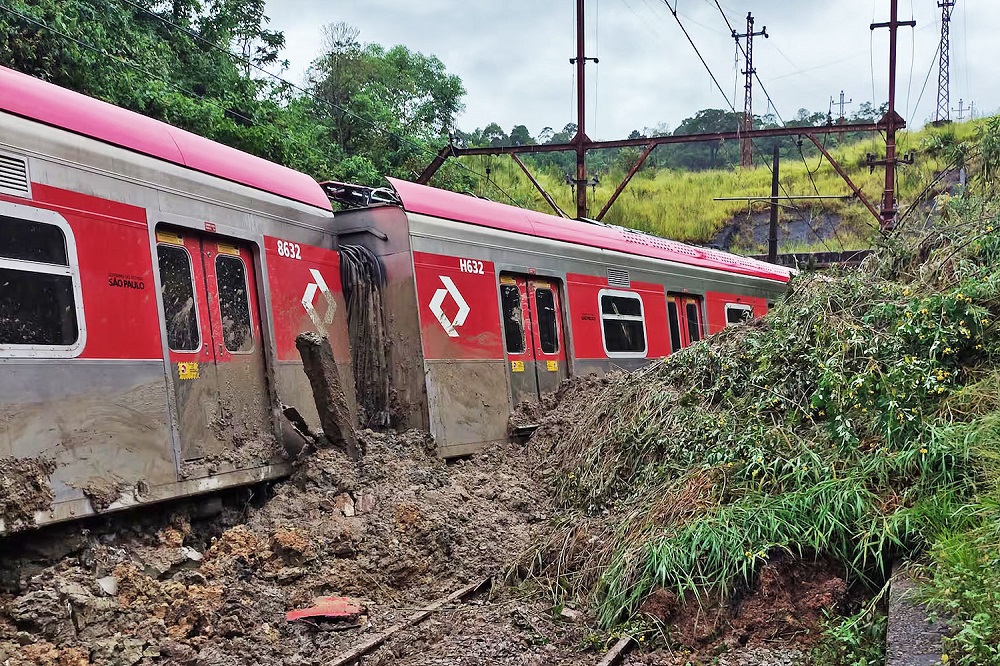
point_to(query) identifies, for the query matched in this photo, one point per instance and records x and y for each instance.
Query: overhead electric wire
(733, 108)
(756, 76)
(250, 63)
(698, 53)
(782, 120)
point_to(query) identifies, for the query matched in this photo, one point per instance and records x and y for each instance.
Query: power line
(732, 107)
(698, 53)
(745, 55)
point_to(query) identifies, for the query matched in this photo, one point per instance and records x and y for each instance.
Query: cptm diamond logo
(449, 325)
(319, 284)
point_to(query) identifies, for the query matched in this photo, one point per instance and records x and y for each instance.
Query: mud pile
(174, 586)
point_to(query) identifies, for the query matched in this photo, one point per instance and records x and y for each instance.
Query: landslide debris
(394, 531)
(743, 489)
(24, 489)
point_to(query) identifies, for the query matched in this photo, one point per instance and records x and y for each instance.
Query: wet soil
(395, 532)
(210, 583)
(24, 489)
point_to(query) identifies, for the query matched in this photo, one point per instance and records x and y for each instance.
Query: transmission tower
(746, 145)
(944, 102)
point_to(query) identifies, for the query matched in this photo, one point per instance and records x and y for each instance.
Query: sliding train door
(531, 314)
(216, 355)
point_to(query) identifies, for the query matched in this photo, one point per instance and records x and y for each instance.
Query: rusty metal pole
(746, 150)
(889, 196)
(891, 121)
(772, 233)
(580, 139)
(746, 143)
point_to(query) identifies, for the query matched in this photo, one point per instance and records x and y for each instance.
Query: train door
(210, 303)
(685, 317)
(533, 335)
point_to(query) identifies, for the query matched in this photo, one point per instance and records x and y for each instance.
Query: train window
(548, 328)
(738, 313)
(513, 318)
(177, 292)
(675, 326)
(623, 324)
(32, 241)
(234, 303)
(694, 321)
(38, 304)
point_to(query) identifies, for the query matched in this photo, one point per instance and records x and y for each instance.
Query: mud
(395, 531)
(102, 493)
(559, 410)
(24, 489)
(786, 605)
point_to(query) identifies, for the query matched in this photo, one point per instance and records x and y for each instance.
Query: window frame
(618, 293)
(503, 322)
(745, 307)
(71, 270)
(555, 319)
(194, 294)
(250, 309)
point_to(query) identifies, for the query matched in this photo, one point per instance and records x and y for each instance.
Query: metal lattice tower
(746, 145)
(944, 102)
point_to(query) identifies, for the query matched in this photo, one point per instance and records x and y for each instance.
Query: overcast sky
(513, 55)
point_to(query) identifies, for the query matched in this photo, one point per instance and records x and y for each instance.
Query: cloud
(514, 56)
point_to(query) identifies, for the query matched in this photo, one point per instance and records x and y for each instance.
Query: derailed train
(152, 285)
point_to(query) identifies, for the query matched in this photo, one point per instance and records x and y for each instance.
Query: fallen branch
(360, 650)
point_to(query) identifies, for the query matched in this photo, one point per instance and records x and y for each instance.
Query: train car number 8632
(290, 250)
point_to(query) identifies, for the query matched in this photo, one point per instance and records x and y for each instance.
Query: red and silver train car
(492, 304)
(152, 284)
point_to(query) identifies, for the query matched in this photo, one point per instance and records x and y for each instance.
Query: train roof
(463, 208)
(35, 99)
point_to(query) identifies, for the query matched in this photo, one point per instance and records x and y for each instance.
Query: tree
(520, 136)
(385, 104)
(493, 135)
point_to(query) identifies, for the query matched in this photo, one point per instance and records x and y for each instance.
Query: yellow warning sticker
(187, 370)
(228, 249)
(517, 366)
(504, 279)
(169, 237)
(552, 366)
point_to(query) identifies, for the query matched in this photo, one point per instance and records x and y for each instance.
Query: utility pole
(581, 140)
(843, 104)
(891, 121)
(746, 145)
(944, 102)
(772, 233)
(961, 109)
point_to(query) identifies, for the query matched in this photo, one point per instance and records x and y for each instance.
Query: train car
(492, 305)
(152, 283)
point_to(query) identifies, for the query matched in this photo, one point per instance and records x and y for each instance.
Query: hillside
(855, 427)
(679, 204)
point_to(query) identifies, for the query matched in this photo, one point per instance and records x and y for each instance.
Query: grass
(858, 422)
(679, 204)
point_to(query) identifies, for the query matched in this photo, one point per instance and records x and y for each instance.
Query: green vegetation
(679, 203)
(366, 112)
(858, 423)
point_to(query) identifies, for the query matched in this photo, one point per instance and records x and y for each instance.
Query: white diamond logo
(448, 325)
(319, 284)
